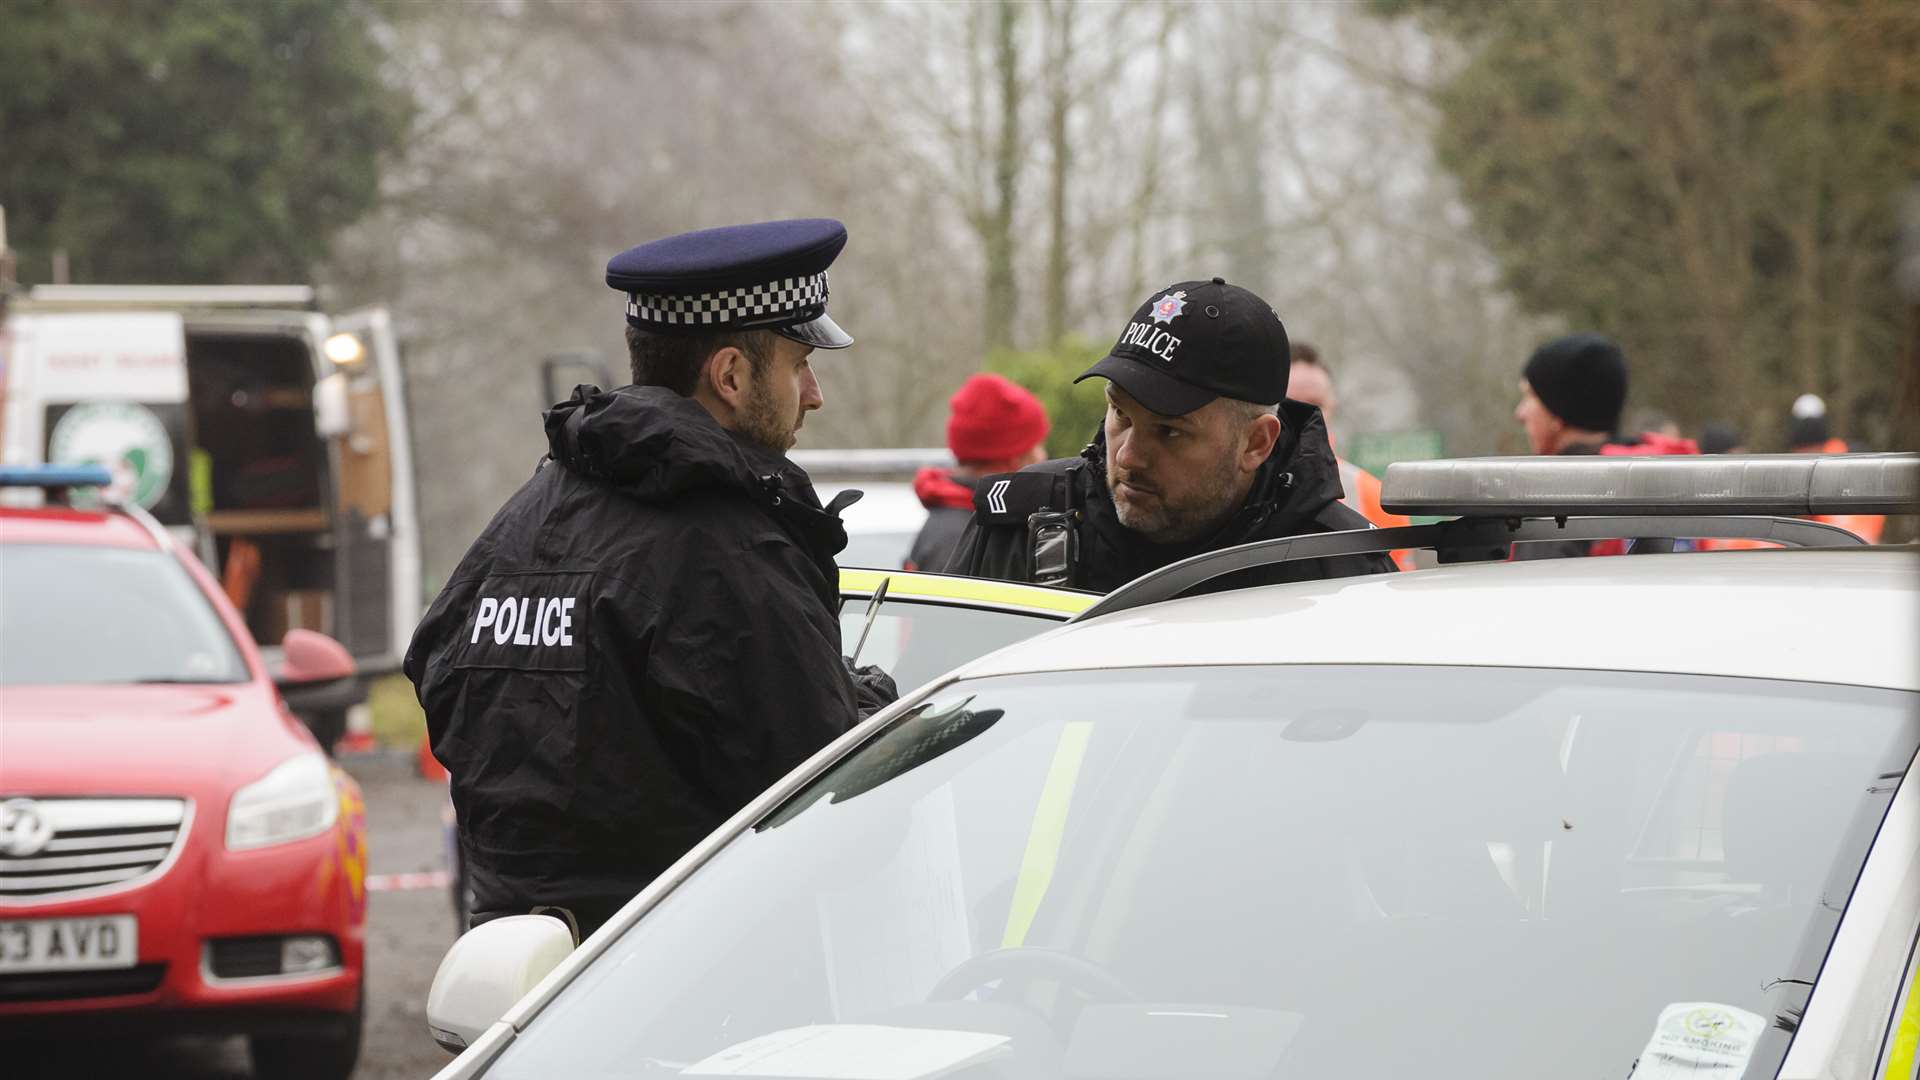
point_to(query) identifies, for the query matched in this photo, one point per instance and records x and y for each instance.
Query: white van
(269, 435)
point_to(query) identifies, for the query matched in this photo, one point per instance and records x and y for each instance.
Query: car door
(377, 536)
(926, 625)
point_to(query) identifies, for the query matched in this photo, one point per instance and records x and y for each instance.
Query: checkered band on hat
(752, 304)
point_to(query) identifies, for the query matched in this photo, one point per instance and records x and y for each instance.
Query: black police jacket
(1297, 491)
(644, 638)
(937, 538)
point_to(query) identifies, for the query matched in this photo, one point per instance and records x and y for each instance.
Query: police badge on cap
(1196, 341)
(770, 276)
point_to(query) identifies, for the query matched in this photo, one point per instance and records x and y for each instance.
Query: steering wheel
(1081, 974)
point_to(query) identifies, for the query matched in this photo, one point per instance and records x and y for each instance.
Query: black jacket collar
(658, 447)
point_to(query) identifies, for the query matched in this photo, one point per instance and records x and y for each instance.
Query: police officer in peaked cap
(646, 635)
(1200, 451)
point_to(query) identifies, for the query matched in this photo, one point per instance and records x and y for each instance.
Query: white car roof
(886, 507)
(1816, 615)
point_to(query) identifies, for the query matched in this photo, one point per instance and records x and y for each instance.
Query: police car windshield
(104, 615)
(1268, 872)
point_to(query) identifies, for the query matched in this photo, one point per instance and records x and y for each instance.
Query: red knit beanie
(993, 419)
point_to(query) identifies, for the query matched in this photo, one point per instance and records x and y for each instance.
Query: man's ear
(726, 376)
(1261, 436)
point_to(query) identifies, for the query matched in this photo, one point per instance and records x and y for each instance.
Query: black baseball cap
(1196, 341)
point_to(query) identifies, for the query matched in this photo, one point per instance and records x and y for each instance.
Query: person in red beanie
(993, 426)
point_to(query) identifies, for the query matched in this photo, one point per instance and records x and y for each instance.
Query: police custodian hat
(770, 276)
(1196, 341)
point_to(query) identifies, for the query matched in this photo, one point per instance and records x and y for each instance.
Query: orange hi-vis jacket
(1363, 494)
(1868, 527)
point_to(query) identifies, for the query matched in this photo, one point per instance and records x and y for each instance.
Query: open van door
(360, 407)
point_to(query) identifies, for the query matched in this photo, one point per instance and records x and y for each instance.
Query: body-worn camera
(1054, 544)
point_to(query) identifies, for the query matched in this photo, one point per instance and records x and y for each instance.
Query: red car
(177, 852)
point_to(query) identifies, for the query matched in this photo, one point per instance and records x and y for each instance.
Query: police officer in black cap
(646, 635)
(1199, 451)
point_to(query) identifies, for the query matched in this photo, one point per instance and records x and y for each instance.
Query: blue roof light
(54, 476)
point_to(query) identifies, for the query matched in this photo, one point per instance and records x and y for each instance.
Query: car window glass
(877, 550)
(1267, 872)
(914, 642)
(105, 615)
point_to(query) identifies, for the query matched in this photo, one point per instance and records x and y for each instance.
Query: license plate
(90, 944)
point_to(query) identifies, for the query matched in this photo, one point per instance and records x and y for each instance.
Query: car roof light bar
(54, 476)
(55, 481)
(1465, 540)
(1784, 484)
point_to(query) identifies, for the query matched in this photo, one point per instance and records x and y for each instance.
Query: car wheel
(331, 1056)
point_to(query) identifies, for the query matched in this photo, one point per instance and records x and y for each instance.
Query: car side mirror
(489, 968)
(311, 657)
(315, 677)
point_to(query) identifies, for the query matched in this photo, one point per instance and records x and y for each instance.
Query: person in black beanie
(1571, 394)
(1721, 439)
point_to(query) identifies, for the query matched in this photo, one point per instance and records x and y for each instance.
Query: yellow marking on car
(350, 843)
(979, 590)
(1904, 1047)
(1049, 827)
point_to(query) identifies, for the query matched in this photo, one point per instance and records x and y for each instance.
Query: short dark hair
(674, 360)
(1300, 352)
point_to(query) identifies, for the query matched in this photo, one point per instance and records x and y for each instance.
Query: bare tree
(996, 223)
(1232, 98)
(557, 135)
(980, 153)
(1059, 19)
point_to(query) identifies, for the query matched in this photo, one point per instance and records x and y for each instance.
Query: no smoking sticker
(1699, 1038)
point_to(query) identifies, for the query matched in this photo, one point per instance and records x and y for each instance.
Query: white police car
(1648, 816)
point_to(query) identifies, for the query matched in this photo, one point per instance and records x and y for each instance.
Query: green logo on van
(127, 438)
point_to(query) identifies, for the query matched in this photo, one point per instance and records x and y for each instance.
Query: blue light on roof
(54, 476)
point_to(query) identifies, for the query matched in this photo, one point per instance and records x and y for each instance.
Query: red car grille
(59, 847)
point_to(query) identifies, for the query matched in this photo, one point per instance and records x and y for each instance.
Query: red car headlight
(294, 801)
